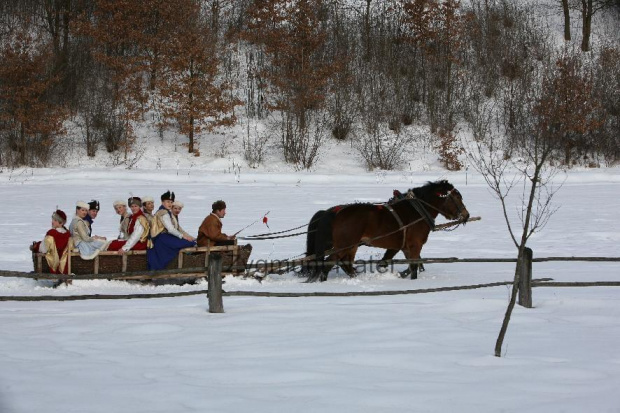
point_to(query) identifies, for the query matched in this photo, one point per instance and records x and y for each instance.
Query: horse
(404, 224)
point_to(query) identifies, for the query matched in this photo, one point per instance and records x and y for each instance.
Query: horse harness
(400, 224)
(416, 203)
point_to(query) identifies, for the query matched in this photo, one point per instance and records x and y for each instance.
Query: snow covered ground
(422, 353)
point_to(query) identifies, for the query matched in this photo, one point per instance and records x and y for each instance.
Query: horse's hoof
(414, 276)
(404, 274)
(312, 277)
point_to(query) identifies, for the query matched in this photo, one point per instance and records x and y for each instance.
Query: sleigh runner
(234, 261)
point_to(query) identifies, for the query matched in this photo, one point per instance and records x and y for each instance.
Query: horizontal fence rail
(279, 264)
(215, 293)
(257, 293)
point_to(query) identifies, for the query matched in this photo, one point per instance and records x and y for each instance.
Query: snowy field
(407, 353)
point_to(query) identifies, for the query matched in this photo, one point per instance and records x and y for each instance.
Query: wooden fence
(214, 275)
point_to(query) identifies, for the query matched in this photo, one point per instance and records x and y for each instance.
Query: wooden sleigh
(234, 261)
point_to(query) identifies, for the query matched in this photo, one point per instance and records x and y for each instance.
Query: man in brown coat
(210, 231)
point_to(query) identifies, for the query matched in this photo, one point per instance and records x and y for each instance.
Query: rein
(257, 238)
(270, 235)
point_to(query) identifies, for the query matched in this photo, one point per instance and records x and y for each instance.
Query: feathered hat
(167, 196)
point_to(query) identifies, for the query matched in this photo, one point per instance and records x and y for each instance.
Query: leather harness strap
(416, 203)
(400, 224)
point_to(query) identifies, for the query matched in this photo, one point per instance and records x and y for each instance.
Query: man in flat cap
(210, 231)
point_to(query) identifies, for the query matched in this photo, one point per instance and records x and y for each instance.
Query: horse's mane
(424, 192)
(337, 208)
(431, 189)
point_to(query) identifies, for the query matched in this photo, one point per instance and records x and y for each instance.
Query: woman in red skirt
(138, 230)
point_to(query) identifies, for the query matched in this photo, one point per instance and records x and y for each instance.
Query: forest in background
(313, 70)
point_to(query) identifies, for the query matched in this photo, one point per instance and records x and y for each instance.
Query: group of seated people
(157, 232)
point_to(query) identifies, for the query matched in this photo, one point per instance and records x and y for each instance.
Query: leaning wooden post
(525, 279)
(214, 293)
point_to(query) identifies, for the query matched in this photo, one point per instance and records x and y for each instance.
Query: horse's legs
(318, 271)
(412, 253)
(389, 254)
(346, 261)
(324, 270)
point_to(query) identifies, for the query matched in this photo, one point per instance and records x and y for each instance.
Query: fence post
(214, 292)
(525, 279)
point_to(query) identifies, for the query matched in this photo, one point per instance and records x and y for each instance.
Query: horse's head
(444, 198)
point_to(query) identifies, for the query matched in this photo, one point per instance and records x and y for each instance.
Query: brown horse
(401, 225)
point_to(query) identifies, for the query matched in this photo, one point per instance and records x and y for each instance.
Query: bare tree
(531, 171)
(588, 8)
(566, 13)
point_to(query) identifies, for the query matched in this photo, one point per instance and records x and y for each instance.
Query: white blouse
(133, 239)
(167, 221)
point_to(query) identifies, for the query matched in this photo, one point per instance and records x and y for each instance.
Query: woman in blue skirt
(167, 237)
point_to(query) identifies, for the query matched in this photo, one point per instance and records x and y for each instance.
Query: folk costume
(89, 220)
(123, 233)
(148, 215)
(92, 205)
(137, 230)
(56, 245)
(166, 237)
(88, 246)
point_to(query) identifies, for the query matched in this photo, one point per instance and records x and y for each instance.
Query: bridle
(417, 202)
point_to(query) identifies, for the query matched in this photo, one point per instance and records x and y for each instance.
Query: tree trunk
(367, 31)
(511, 305)
(215, 20)
(586, 13)
(22, 148)
(566, 20)
(190, 146)
(567, 153)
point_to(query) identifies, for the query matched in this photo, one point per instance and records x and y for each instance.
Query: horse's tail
(323, 240)
(312, 230)
(319, 240)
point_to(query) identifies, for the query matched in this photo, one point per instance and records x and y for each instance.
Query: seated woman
(148, 205)
(56, 245)
(89, 247)
(137, 230)
(120, 207)
(167, 237)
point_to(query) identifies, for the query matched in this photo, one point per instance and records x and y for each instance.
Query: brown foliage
(194, 97)
(567, 111)
(291, 34)
(437, 28)
(449, 151)
(28, 120)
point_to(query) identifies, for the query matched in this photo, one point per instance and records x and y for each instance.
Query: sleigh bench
(234, 260)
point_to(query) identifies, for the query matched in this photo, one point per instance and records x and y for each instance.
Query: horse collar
(417, 205)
